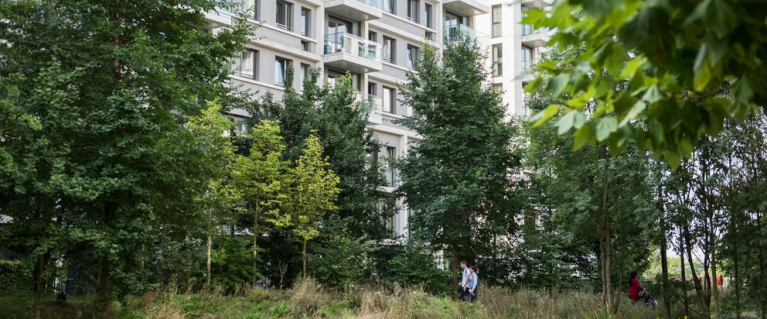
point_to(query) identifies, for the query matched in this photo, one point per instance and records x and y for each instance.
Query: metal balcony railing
(455, 31)
(342, 42)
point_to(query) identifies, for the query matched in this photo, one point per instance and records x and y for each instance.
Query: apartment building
(514, 49)
(376, 41)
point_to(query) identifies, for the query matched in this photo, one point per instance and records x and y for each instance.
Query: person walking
(634, 288)
(473, 284)
(464, 284)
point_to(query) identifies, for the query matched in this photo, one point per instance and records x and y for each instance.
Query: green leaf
(743, 92)
(631, 67)
(702, 77)
(558, 83)
(606, 126)
(652, 95)
(637, 109)
(566, 122)
(582, 136)
(545, 115)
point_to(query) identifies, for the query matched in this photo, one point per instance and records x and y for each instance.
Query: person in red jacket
(634, 288)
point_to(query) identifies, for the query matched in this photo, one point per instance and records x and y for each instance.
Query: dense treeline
(118, 168)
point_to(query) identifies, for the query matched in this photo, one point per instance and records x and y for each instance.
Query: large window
(526, 28)
(497, 21)
(253, 6)
(280, 70)
(305, 21)
(391, 172)
(389, 100)
(412, 10)
(429, 16)
(412, 55)
(303, 75)
(388, 6)
(284, 15)
(389, 45)
(386, 209)
(497, 60)
(527, 58)
(248, 66)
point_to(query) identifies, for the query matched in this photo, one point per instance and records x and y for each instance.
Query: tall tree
(314, 192)
(458, 179)
(122, 76)
(262, 178)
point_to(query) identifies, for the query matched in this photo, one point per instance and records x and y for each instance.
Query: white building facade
(514, 49)
(375, 41)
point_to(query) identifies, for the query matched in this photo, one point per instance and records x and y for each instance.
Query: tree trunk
(696, 281)
(207, 262)
(715, 281)
(684, 278)
(39, 285)
(256, 232)
(663, 256)
(304, 252)
(102, 303)
(606, 242)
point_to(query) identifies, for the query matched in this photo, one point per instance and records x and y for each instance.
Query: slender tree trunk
(304, 252)
(39, 285)
(255, 250)
(208, 255)
(715, 281)
(663, 253)
(102, 303)
(606, 242)
(685, 286)
(696, 281)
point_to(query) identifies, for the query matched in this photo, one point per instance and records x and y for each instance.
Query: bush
(339, 261)
(10, 273)
(416, 266)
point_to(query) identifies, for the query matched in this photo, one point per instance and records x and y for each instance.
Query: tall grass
(307, 299)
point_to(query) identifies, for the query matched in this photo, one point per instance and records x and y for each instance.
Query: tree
(208, 129)
(458, 179)
(675, 61)
(102, 90)
(314, 191)
(262, 178)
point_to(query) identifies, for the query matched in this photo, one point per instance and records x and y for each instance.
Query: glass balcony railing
(342, 42)
(527, 29)
(528, 64)
(373, 3)
(372, 105)
(455, 31)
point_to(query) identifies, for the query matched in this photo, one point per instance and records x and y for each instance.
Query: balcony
(350, 52)
(537, 3)
(218, 18)
(372, 105)
(534, 38)
(467, 7)
(356, 10)
(455, 31)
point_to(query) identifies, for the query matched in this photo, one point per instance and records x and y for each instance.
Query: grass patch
(308, 300)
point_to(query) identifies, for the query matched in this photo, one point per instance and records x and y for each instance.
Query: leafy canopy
(660, 70)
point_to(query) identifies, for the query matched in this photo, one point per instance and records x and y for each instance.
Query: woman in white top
(473, 283)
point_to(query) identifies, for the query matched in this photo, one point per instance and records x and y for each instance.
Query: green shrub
(11, 273)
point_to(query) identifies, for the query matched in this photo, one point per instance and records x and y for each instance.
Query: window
(305, 21)
(497, 60)
(391, 172)
(526, 28)
(389, 6)
(498, 87)
(373, 36)
(252, 6)
(284, 15)
(412, 55)
(280, 70)
(372, 89)
(497, 21)
(305, 45)
(412, 10)
(389, 100)
(303, 76)
(386, 210)
(429, 35)
(389, 49)
(249, 64)
(527, 58)
(429, 16)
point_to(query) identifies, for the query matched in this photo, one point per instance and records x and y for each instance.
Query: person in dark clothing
(634, 288)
